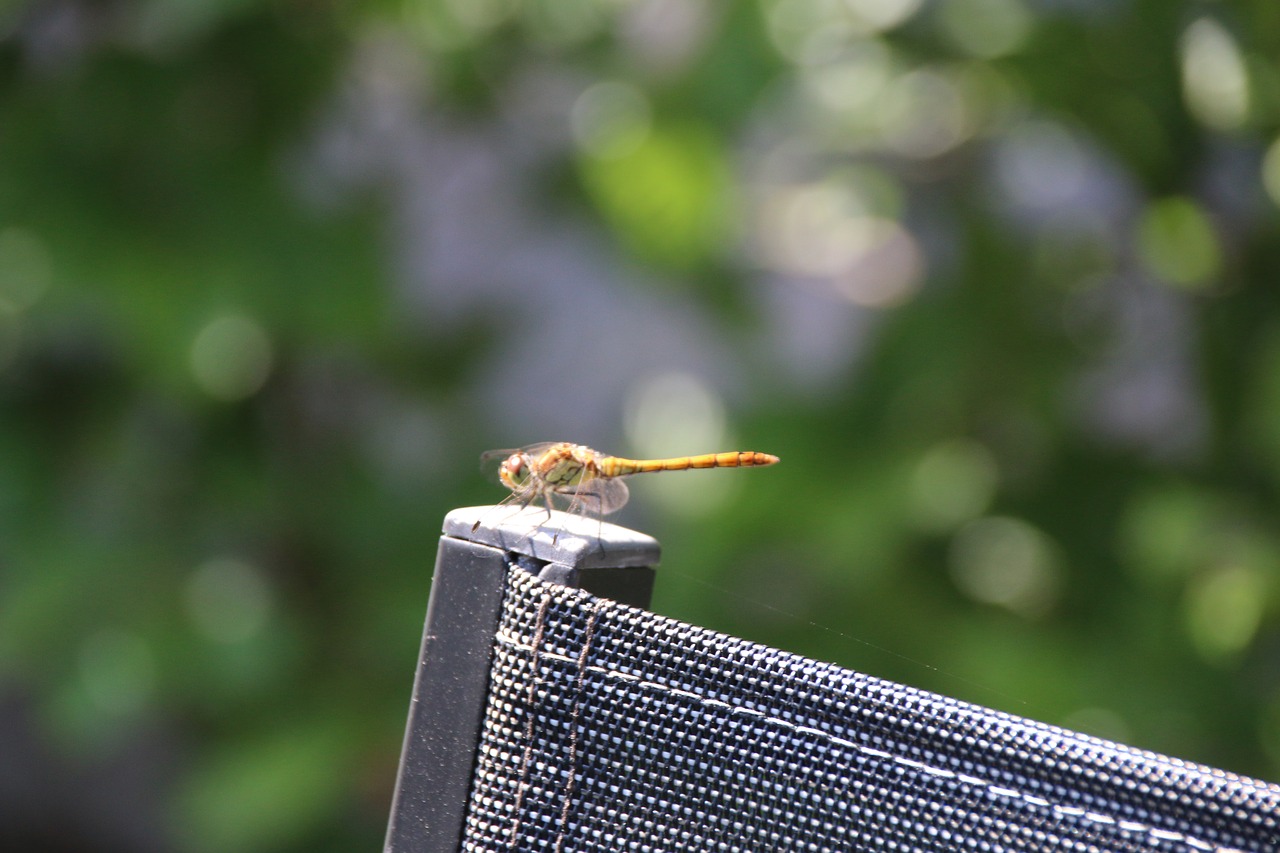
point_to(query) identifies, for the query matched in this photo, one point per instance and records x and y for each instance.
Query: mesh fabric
(614, 729)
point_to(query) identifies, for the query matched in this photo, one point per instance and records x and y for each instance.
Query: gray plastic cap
(564, 538)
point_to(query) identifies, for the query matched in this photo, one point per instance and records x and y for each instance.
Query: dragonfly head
(514, 472)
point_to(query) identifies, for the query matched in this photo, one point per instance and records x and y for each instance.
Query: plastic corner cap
(561, 537)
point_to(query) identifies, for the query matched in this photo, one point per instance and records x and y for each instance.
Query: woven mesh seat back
(613, 729)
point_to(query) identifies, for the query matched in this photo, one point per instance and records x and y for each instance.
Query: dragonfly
(584, 480)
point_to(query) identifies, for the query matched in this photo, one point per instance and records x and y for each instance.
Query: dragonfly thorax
(558, 468)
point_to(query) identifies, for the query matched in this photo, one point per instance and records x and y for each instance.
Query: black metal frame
(479, 547)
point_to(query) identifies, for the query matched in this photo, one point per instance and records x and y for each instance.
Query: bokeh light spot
(611, 119)
(1160, 533)
(25, 268)
(231, 357)
(676, 414)
(478, 16)
(117, 669)
(665, 35)
(228, 601)
(922, 114)
(873, 16)
(1271, 171)
(986, 28)
(558, 23)
(953, 483)
(1007, 562)
(852, 84)
(1224, 609)
(669, 198)
(826, 232)
(806, 31)
(1215, 82)
(1178, 244)
(453, 24)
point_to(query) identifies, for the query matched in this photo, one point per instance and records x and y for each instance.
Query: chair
(552, 713)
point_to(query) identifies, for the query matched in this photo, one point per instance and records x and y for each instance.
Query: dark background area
(996, 279)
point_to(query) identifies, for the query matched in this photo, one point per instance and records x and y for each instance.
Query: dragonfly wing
(491, 461)
(602, 495)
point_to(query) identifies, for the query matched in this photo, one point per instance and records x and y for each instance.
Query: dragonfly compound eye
(515, 471)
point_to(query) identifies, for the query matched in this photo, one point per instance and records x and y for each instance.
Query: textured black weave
(611, 728)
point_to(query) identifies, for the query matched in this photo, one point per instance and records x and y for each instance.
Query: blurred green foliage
(996, 279)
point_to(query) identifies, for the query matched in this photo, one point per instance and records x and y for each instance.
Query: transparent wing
(601, 496)
(491, 461)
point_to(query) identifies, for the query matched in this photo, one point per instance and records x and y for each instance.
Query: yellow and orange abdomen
(615, 466)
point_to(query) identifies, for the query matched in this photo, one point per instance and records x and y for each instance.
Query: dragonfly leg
(519, 500)
(507, 501)
(600, 535)
(546, 499)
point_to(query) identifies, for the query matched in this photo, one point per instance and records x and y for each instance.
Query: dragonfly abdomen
(615, 466)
